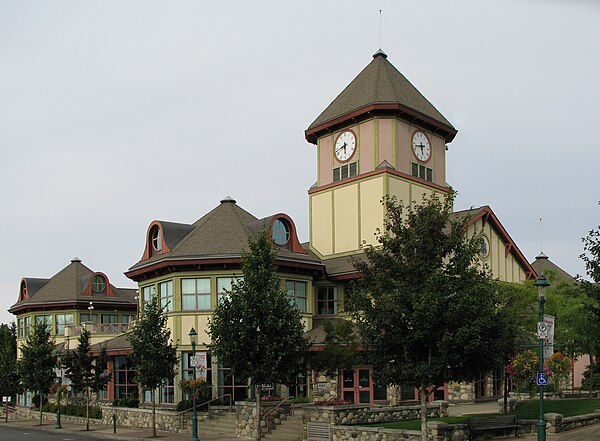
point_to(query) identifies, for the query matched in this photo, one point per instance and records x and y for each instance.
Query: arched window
(281, 232)
(98, 285)
(156, 238)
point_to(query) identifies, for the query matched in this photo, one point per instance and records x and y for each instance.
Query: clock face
(421, 147)
(345, 146)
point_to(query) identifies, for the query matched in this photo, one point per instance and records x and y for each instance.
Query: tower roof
(381, 88)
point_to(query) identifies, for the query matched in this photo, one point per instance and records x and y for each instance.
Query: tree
(341, 348)
(255, 330)
(427, 309)
(154, 355)
(85, 371)
(37, 362)
(9, 377)
(591, 259)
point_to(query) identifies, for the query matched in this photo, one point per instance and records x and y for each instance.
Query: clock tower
(379, 137)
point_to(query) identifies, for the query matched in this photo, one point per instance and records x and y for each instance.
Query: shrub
(126, 402)
(558, 367)
(523, 368)
(74, 410)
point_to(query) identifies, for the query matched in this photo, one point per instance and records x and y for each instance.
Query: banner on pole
(549, 340)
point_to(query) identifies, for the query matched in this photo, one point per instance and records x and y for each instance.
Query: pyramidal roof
(380, 86)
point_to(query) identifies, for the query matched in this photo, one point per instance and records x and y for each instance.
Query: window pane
(188, 302)
(204, 302)
(188, 286)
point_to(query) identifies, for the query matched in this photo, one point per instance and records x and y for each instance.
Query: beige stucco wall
(321, 222)
(503, 266)
(345, 218)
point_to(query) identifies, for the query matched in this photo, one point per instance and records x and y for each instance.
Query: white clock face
(345, 146)
(421, 147)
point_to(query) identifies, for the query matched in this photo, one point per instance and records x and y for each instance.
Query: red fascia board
(449, 132)
(377, 172)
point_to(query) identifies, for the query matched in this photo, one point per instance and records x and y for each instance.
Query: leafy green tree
(341, 348)
(427, 310)
(154, 355)
(37, 362)
(255, 330)
(9, 377)
(591, 259)
(86, 372)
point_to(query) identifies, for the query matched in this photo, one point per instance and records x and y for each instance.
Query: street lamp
(541, 284)
(58, 393)
(193, 335)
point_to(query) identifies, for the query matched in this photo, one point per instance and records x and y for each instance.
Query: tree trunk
(153, 393)
(258, 391)
(505, 400)
(41, 405)
(591, 375)
(87, 409)
(423, 396)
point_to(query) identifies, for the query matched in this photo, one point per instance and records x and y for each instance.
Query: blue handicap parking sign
(542, 379)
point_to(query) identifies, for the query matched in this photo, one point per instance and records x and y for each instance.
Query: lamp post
(541, 284)
(58, 393)
(193, 335)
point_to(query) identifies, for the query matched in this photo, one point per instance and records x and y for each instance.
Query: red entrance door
(357, 386)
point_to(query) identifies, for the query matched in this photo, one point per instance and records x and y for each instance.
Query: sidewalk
(106, 432)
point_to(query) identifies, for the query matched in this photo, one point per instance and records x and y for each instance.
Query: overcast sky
(116, 113)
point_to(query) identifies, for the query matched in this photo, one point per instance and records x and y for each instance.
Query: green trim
(359, 214)
(332, 201)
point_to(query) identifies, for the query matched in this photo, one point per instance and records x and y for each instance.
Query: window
(63, 320)
(327, 300)
(86, 317)
(422, 172)
(296, 292)
(195, 294)
(44, 319)
(230, 384)
(98, 285)
(345, 171)
(281, 232)
(110, 323)
(224, 285)
(148, 293)
(165, 393)
(124, 378)
(165, 290)
(484, 250)
(23, 327)
(156, 238)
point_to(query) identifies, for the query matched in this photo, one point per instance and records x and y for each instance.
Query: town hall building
(379, 137)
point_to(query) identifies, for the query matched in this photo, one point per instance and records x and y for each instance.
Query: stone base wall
(324, 388)
(461, 391)
(246, 417)
(363, 414)
(438, 431)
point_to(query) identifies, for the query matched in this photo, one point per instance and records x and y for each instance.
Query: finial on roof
(379, 53)
(75, 260)
(228, 199)
(541, 256)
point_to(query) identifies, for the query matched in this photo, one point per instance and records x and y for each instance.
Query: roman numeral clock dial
(421, 147)
(345, 145)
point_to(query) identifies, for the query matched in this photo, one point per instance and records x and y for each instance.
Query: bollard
(114, 418)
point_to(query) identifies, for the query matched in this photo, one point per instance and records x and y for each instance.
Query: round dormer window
(156, 238)
(281, 232)
(98, 285)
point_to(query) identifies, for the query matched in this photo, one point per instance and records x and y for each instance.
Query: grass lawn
(527, 410)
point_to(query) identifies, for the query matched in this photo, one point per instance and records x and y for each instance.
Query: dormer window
(156, 238)
(98, 285)
(281, 232)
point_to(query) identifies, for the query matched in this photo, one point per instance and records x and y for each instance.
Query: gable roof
(68, 287)
(488, 216)
(381, 87)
